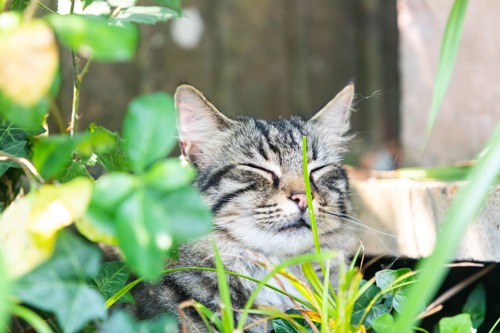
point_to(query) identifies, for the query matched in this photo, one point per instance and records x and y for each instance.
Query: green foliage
(146, 14)
(475, 306)
(14, 140)
(458, 324)
(60, 284)
(95, 37)
(111, 277)
(149, 129)
(122, 322)
(23, 116)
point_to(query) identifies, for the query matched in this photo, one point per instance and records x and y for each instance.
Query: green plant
(48, 268)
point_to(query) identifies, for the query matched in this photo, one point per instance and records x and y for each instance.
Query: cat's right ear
(198, 121)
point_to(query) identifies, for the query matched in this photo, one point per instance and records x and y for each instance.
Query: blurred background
(272, 59)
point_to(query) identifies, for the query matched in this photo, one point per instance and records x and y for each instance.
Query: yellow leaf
(17, 244)
(28, 62)
(28, 227)
(57, 206)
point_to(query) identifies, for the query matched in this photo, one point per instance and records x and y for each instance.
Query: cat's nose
(301, 200)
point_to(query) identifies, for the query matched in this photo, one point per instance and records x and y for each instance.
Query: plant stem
(76, 93)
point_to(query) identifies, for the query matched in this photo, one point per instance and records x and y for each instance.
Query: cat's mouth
(296, 225)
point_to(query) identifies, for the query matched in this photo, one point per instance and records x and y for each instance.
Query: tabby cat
(250, 173)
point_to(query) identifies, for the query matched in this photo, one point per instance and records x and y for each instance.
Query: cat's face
(250, 172)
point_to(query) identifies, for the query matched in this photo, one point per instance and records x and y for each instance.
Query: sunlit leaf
(57, 206)
(149, 129)
(60, 284)
(28, 63)
(457, 324)
(169, 175)
(99, 223)
(29, 225)
(93, 36)
(4, 294)
(146, 14)
(383, 324)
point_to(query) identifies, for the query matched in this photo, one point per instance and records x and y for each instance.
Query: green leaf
(14, 141)
(386, 277)
(184, 212)
(463, 210)
(52, 155)
(282, 326)
(457, 324)
(98, 141)
(122, 322)
(449, 50)
(95, 37)
(383, 324)
(143, 240)
(115, 159)
(19, 5)
(112, 276)
(172, 4)
(4, 294)
(149, 129)
(99, 224)
(169, 175)
(146, 14)
(122, 3)
(76, 169)
(22, 116)
(363, 302)
(475, 305)
(59, 285)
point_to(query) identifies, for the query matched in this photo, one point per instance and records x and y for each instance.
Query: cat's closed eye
(266, 172)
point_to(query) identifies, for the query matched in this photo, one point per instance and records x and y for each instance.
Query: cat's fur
(250, 173)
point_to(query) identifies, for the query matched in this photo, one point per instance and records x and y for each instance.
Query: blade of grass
(447, 57)
(32, 318)
(310, 257)
(464, 208)
(325, 303)
(310, 208)
(225, 296)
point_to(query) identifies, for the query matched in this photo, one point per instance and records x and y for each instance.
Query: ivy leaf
(14, 141)
(384, 323)
(75, 170)
(114, 159)
(146, 14)
(475, 305)
(172, 4)
(362, 303)
(122, 322)
(112, 276)
(59, 285)
(461, 323)
(96, 37)
(29, 225)
(149, 129)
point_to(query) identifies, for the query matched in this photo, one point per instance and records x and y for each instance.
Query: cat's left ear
(333, 120)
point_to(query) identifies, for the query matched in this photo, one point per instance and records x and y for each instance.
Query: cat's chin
(294, 226)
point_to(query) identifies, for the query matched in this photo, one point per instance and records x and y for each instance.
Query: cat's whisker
(355, 221)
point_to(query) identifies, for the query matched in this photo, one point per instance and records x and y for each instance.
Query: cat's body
(250, 173)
